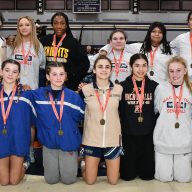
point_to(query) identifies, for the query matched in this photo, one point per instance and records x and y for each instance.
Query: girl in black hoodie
(137, 122)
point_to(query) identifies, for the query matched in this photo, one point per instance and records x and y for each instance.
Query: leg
(91, 169)
(128, 169)
(163, 167)
(182, 167)
(113, 170)
(68, 167)
(51, 165)
(4, 171)
(146, 161)
(17, 170)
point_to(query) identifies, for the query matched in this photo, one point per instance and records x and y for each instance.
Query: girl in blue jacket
(59, 110)
(15, 124)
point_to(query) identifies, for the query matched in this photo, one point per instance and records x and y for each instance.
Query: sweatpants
(59, 166)
(138, 158)
(173, 167)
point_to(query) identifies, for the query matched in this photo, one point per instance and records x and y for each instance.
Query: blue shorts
(106, 152)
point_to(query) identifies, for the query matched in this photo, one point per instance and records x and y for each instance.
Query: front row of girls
(58, 110)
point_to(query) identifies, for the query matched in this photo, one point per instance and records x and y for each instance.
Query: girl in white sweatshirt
(173, 131)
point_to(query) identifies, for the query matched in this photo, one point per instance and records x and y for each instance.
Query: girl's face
(190, 22)
(59, 25)
(56, 76)
(25, 27)
(102, 69)
(10, 73)
(118, 41)
(156, 36)
(176, 72)
(139, 69)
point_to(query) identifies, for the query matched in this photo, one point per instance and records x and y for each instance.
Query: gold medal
(151, 73)
(4, 131)
(140, 119)
(102, 121)
(60, 132)
(177, 125)
(24, 73)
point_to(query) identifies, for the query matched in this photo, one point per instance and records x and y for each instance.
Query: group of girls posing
(56, 111)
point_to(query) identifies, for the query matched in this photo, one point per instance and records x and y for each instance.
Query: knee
(163, 177)
(14, 181)
(90, 181)
(68, 181)
(4, 182)
(51, 180)
(113, 181)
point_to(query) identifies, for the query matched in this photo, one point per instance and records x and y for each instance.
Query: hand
(81, 86)
(26, 87)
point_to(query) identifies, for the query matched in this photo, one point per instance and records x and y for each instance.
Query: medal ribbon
(117, 62)
(106, 102)
(177, 105)
(25, 57)
(6, 114)
(55, 47)
(152, 57)
(61, 107)
(139, 96)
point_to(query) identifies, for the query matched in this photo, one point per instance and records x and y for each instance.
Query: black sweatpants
(138, 159)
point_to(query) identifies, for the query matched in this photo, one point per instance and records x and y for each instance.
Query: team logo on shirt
(132, 99)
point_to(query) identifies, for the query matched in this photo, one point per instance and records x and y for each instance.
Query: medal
(151, 73)
(140, 119)
(25, 57)
(117, 64)
(4, 131)
(140, 96)
(177, 104)
(177, 125)
(102, 121)
(24, 73)
(5, 114)
(56, 47)
(58, 116)
(60, 132)
(152, 57)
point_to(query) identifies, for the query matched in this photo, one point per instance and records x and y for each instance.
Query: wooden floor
(33, 183)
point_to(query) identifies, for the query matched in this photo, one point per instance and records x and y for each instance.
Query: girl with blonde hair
(173, 131)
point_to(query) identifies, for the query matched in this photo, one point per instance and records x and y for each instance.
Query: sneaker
(26, 164)
(32, 155)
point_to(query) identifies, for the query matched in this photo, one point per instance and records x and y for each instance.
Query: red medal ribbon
(55, 47)
(117, 62)
(25, 57)
(106, 102)
(139, 96)
(177, 105)
(191, 42)
(61, 107)
(152, 57)
(6, 114)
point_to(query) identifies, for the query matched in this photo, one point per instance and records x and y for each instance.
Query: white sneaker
(26, 164)
(32, 155)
